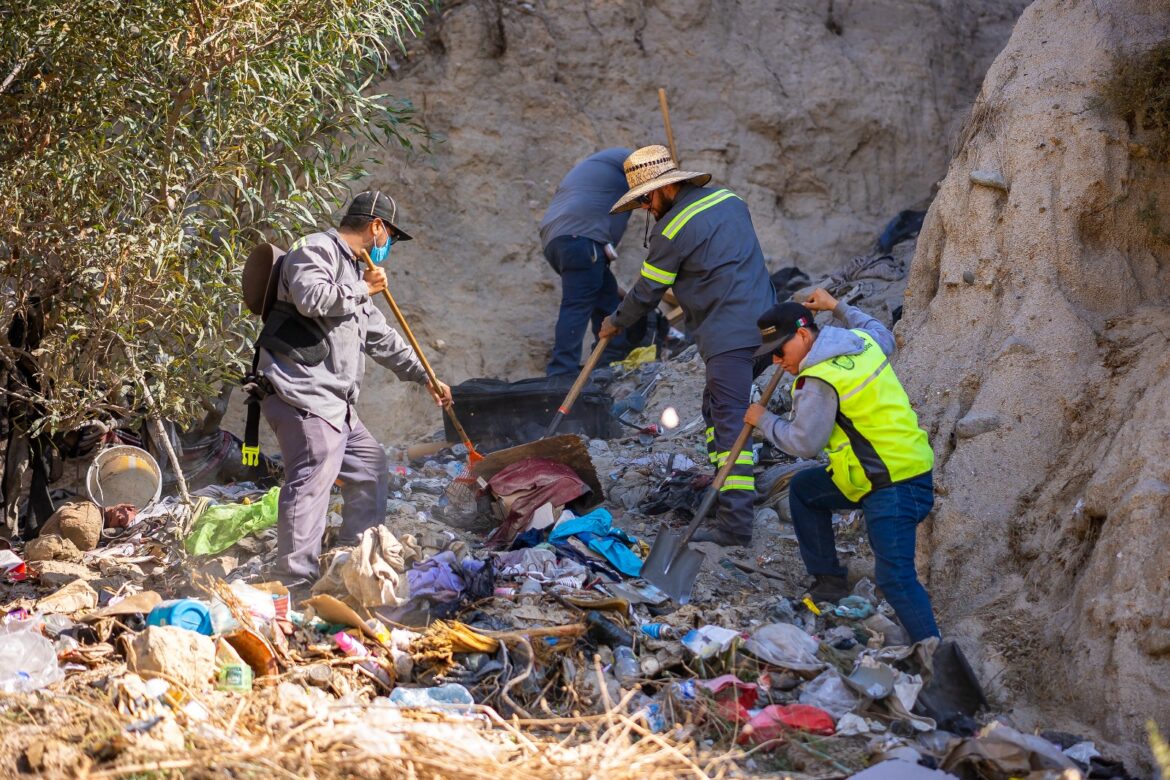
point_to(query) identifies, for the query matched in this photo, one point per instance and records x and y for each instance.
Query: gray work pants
(316, 455)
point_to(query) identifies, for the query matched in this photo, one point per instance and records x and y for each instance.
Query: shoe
(827, 587)
(722, 537)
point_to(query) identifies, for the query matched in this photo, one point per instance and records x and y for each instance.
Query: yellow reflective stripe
(744, 458)
(656, 274)
(739, 483)
(710, 434)
(680, 221)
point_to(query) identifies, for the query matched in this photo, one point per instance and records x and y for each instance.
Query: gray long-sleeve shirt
(580, 206)
(814, 401)
(322, 278)
(706, 248)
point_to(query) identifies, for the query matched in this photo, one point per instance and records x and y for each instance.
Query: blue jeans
(589, 293)
(892, 515)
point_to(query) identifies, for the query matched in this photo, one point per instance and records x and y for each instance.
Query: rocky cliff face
(1035, 332)
(827, 117)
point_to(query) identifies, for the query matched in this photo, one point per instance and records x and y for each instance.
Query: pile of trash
(522, 644)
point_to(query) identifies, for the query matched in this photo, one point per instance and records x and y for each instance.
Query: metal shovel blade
(672, 566)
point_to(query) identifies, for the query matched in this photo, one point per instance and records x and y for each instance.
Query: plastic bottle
(355, 649)
(625, 665)
(447, 696)
(659, 631)
(28, 660)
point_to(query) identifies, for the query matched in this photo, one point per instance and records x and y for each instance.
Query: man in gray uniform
(578, 235)
(704, 246)
(325, 291)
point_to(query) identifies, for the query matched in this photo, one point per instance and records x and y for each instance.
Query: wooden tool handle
(575, 390)
(666, 121)
(721, 475)
(434, 380)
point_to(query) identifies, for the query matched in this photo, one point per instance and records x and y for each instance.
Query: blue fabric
(892, 515)
(589, 293)
(597, 532)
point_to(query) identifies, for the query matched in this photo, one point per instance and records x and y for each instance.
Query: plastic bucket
(124, 475)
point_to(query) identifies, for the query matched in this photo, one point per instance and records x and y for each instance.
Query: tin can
(235, 677)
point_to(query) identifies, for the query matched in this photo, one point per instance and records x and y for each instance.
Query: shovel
(473, 457)
(673, 565)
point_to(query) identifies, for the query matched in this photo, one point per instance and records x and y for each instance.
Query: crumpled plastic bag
(775, 720)
(1000, 750)
(829, 692)
(786, 645)
(375, 571)
(222, 525)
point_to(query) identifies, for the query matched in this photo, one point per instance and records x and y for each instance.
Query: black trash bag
(953, 695)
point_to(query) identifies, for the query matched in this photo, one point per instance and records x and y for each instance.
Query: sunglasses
(644, 200)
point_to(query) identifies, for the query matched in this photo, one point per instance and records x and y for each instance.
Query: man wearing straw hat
(324, 290)
(705, 247)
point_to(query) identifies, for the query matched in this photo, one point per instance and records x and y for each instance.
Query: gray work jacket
(322, 278)
(706, 248)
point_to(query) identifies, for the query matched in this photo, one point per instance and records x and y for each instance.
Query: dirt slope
(1035, 331)
(828, 118)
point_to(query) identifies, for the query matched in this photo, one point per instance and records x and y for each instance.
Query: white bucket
(124, 475)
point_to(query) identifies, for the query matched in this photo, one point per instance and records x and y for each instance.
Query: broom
(473, 456)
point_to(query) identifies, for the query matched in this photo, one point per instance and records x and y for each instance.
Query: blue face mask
(379, 253)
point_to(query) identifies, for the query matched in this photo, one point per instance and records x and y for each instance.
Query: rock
(81, 522)
(54, 574)
(969, 277)
(766, 517)
(50, 547)
(990, 179)
(175, 652)
(976, 423)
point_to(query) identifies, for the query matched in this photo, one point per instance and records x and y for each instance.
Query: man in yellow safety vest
(847, 401)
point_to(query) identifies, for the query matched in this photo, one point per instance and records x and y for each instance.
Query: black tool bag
(290, 333)
(498, 414)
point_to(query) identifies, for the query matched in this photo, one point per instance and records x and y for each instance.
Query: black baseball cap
(780, 323)
(376, 205)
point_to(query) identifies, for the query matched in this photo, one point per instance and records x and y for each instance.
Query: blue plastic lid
(190, 614)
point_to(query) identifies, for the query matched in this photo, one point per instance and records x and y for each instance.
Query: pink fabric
(534, 482)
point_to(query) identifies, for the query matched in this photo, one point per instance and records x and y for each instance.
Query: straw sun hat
(649, 168)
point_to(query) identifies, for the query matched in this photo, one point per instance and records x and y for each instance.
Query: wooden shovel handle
(434, 380)
(721, 475)
(575, 390)
(666, 121)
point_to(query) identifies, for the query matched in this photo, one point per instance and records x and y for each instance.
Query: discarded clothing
(223, 525)
(528, 484)
(906, 225)
(682, 492)
(542, 565)
(597, 531)
(375, 572)
(789, 280)
(638, 356)
(436, 578)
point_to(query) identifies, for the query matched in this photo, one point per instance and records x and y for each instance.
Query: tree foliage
(145, 145)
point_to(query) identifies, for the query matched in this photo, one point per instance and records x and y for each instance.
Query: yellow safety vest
(876, 440)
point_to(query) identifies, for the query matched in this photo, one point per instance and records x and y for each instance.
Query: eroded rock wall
(828, 117)
(1036, 331)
